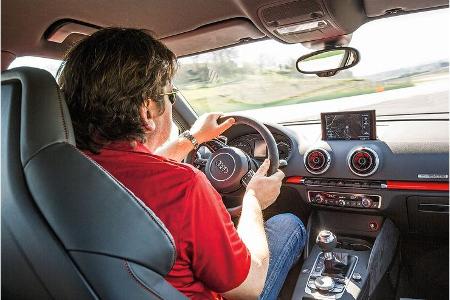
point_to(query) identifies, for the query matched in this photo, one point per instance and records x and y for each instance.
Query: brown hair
(107, 77)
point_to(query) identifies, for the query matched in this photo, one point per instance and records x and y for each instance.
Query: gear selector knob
(326, 241)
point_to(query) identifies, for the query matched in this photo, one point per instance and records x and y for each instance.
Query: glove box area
(428, 215)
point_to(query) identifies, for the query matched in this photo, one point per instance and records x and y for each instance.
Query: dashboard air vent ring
(363, 161)
(317, 161)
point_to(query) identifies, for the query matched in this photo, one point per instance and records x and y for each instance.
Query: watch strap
(187, 135)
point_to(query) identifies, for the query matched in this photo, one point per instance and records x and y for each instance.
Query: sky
(385, 44)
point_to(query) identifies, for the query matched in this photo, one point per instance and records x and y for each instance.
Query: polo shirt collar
(128, 147)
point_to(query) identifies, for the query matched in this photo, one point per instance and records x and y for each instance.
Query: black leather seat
(69, 229)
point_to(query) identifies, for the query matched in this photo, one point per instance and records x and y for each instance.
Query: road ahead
(423, 98)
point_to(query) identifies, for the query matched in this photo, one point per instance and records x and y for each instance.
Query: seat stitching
(61, 110)
(139, 282)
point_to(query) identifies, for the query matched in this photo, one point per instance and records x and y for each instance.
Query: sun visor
(205, 38)
(213, 36)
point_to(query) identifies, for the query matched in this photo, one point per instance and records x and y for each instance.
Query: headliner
(24, 22)
(199, 25)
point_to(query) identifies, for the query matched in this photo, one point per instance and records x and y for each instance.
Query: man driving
(118, 87)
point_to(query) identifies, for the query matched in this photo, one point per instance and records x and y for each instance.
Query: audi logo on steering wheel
(221, 166)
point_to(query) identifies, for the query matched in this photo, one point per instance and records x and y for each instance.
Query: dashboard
(404, 149)
(402, 173)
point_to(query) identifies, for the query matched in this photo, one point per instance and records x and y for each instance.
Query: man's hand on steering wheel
(265, 189)
(229, 169)
(207, 127)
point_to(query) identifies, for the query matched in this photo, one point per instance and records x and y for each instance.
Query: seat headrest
(45, 119)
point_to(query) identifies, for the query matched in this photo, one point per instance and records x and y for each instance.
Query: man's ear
(146, 117)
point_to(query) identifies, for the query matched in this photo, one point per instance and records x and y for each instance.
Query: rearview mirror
(328, 62)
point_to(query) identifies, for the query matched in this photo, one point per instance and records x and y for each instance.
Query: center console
(344, 267)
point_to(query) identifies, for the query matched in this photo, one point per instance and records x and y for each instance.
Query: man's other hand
(206, 127)
(265, 189)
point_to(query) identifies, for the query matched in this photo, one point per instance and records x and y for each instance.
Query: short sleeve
(219, 258)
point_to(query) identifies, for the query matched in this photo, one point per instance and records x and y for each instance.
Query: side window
(48, 64)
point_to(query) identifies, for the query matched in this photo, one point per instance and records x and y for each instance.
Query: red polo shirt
(211, 258)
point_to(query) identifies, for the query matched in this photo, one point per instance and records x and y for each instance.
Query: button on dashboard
(331, 183)
(365, 184)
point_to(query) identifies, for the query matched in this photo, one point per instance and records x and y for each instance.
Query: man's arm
(204, 129)
(176, 150)
(261, 192)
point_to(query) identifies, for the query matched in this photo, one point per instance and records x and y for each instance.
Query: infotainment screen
(351, 125)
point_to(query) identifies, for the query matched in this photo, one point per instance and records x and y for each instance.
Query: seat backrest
(69, 229)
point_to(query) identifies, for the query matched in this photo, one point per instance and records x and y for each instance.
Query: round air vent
(363, 161)
(317, 161)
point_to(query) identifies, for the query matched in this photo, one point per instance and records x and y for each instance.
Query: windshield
(403, 70)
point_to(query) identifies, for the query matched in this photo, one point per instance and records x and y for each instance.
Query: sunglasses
(172, 95)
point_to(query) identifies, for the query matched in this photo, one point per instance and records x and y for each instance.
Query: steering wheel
(230, 169)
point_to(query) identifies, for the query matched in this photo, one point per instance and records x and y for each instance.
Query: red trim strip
(294, 179)
(415, 185)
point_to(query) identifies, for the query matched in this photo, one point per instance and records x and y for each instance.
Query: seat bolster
(115, 278)
(112, 222)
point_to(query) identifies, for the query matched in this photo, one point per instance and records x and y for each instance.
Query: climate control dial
(319, 199)
(366, 202)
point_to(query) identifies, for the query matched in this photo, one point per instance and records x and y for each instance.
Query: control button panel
(349, 200)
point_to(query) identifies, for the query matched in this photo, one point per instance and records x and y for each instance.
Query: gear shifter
(334, 263)
(326, 241)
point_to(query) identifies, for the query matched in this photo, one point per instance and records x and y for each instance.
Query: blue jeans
(286, 236)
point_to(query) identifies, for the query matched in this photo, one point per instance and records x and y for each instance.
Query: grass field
(274, 89)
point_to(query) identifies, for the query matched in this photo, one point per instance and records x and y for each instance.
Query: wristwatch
(187, 135)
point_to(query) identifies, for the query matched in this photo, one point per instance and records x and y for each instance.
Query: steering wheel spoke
(247, 177)
(214, 145)
(200, 162)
